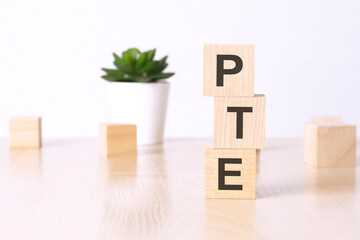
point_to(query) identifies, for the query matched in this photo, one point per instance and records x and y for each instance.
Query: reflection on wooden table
(66, 191)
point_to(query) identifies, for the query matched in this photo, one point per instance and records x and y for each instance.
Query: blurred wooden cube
(326, 119)
(330, 144)
(25, 132)
(239, 122)
(230, 173)
(117, 140)
(228, 70)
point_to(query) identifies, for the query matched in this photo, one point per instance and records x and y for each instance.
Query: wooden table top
(66, 191)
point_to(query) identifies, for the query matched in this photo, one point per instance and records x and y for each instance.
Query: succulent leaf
(163, 61)
(133, 52)
(127, 59)
(113, 72)
(109, 78)
(159, 66)
(142, 79)
(118, 60)
(125, 68)
(148, 67)
(161, 76)
(141, 61)
(163, 67)
(151, 54)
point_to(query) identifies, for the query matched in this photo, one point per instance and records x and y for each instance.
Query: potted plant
(137, 94)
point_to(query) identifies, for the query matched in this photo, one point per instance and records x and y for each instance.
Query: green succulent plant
(136, 66)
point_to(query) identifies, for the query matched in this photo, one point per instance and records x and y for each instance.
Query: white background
(51, 52)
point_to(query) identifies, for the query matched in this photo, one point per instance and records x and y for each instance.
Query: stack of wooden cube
(239, 121)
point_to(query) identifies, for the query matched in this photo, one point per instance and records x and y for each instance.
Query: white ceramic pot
(143, 104)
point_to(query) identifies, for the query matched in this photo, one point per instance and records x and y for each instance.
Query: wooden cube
(230, 173)
(326, 119)
(330, 144)
(239, 122)
(25, 132)
(228, 70)
(117, 140)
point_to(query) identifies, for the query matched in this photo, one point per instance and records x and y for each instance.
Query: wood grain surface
(226, 123)
(66, 191)
(25, 132)
(240, 84)
(246, 170)
(330, 144)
